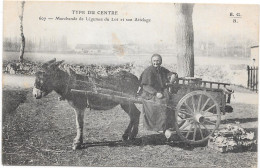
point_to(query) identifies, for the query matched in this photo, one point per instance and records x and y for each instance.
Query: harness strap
(71, 81)
(67, 89)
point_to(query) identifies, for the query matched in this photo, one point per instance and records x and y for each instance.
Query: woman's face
(156, 61)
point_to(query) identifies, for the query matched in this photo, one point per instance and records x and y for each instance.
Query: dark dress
(157, 114)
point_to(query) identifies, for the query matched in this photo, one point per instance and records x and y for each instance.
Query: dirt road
(18, 81)
(40, 132)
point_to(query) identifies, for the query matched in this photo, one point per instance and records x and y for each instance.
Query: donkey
(53, 78)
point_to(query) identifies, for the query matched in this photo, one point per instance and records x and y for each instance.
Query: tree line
(36, 45)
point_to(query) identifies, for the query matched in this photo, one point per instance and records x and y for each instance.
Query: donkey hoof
(132, 138)
(76, 146)
(125, 137)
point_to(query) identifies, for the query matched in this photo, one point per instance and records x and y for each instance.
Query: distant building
(254, 55)
(93, 48)
(122, 49)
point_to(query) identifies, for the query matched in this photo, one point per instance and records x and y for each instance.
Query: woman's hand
(159, 95)
(173, 77)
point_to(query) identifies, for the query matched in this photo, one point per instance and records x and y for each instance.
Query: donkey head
(45, 80)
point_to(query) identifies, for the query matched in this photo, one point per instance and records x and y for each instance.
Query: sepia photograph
(129, 84)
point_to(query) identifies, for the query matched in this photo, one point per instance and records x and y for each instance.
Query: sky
(211, 22)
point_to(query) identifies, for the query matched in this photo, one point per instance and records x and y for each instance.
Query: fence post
(248, 76)
(251, 77)
(256, 79)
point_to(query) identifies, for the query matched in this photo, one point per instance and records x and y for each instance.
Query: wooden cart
(197, 104)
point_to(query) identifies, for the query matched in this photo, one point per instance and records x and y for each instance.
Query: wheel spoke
(195, 131)
(193, 104)
(184, 118)
(209, 108)
(209, 122)
(184, 126)
(187, 118)
(212, 115)
(206, 128)
(180, 117)
(198, 109)
(205, 104)
(189, 131)
(201, 132)
(188, 107)
(185, 112)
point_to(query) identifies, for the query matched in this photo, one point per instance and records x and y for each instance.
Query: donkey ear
(59, 62)
(70, 71)
(55, 65)
(46, 64)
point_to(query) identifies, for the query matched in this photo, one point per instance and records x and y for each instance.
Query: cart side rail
(199, 83)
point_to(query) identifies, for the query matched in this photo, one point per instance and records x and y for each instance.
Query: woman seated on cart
(158, 116)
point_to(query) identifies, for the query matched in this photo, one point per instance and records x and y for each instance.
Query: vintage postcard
(129, 84)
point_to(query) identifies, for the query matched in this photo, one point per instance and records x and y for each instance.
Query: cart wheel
(197, 116)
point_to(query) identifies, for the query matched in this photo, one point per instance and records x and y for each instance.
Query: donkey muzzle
(37, 93)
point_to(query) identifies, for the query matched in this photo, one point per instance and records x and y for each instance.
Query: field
(41, 132)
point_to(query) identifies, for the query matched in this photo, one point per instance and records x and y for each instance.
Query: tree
(22, 35)
(184, 39)
(64, 43)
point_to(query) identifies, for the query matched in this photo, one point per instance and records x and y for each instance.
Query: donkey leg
(79, 125)
(127, 132)
(134, 114)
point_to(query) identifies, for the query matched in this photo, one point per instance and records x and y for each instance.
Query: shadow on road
(159, 139)
(154, 140)
(240, 120)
